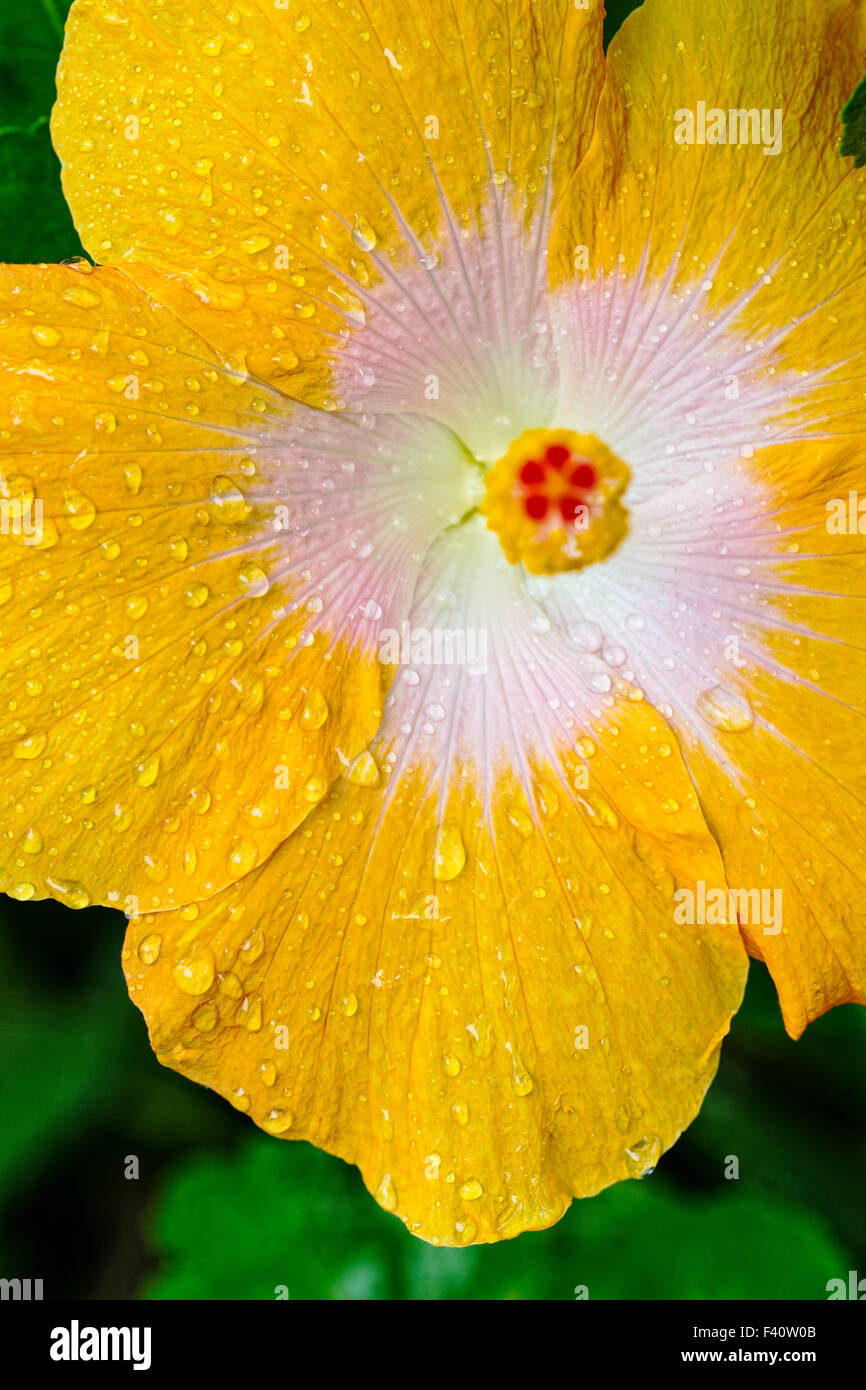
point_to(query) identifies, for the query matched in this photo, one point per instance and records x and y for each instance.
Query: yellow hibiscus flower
(424, 612)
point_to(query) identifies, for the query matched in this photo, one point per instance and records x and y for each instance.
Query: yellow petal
(188, 624)
(279, 159)
(763, 238)
(734, 274)
(785, 789)
(467, 977)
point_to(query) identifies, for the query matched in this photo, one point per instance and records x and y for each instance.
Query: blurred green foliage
(234, 1227)
(35, 219)
(219, 1210)
(854, 117)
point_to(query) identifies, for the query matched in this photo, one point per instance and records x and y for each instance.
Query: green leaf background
(219, 1210)
(854, 118)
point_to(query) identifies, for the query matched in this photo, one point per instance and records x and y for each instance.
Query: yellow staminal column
(554, 500)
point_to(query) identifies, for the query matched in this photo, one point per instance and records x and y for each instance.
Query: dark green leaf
(30, 39)
(282, 1214)
(854, 118)
(35, 224)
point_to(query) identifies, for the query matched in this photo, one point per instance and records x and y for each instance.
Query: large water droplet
(45, 336)
(643, 1155)
(30, 747)
(149, 948)
(78, 510)
(315, 710)
(226, 501)
(314, 789)
(349, 1005)
(278, 1121)
(69, 891)
(386, 1193)
(725, 710)
(147, 771)
(195, 970)
(449, 854)
(33, 841)
(364, 771)
(242, 857)
(195, 595)
(363, 235)
(253, 580)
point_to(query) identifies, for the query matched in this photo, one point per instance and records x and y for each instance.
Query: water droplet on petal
(78, 510)
(643, 1155)
(45, 336)
(286, 359)
(30, 747)
(149, 948)
(82, 296)
(277, 1121)
(69, 891)
(253, 947)
(249, 1015)
(586, 635)
(364, 771)
(521, 820)
(267, 1073)
(195, 970)
(254, 244)
(386, 1193)
(725, 710)
(196, 595)
(315, 711)
(363, 235)
(449, 854)
(147, 771)
(132, 476)
(314, 789)
(547, 798)
(226, 502)
(253, 579)
(242, 857)
(136, 605)
(33, 841)
(206, 1018)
